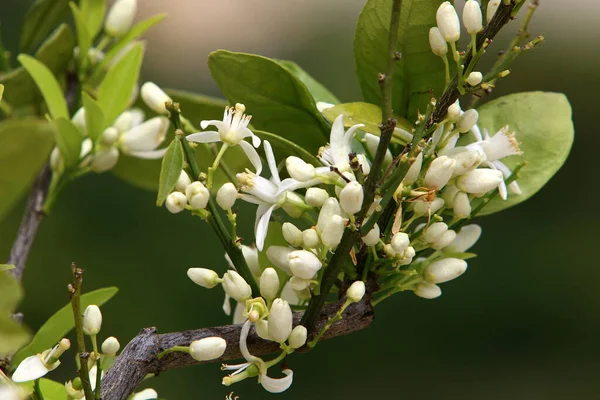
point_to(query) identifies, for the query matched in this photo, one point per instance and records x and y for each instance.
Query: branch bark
(139, 357)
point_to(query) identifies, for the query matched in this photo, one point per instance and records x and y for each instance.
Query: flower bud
(372, 238)
(120, 17)
(454, 111)
(467, 159)
(146, 394)
(428, 290)
(269, 284)
(439, 47)
(465, 239)
(197, 195)
(413, 172)
(299, 284)
(474, 78)
(72, 392)
(400, 242)
(110, 346)
(183, 181)
(467, 120)
(109, 136)
(372, 142)
(304, 264)
(406, 256)
(462, 205)
(449, 194)
(434, 232)
(448, 22)
(439, 172)
(444, 240)
(298, 336)
(226, 196)
(389, 251)
(364, 164)
(351, 197)
(105, 159)
(208, 348)
(299, 169)
(491, 9)
(293, 205)
(428, 208)
(204, 277)
(330, 208)
(92, 320)
(124, 122)
(280, 321)
(292, 234)
(332, 232)
(315, 197)
(55, 158)
(155, 98)
(356, 291)
(176, 202)
(235, 286)
(479, 181)
(200, 200)
(445, 270)
(279, 256)
(472, 18)
(310, 238)
(79, 121)
(262, 329)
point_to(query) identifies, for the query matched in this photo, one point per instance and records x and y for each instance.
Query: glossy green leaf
(172, 164)
(84, 39)
(277, 100)
(6, 267)
(196, 107)
(25, 145)
(543, 125)
(13, 335)
(56, 53)
(417, 72)
(68, 139)
(40, 20)
(51, 390)
(59, 324)
(114, 93)
(316, 89)
(48, 85)
(283, 148)
(93, 14)
(94, 118)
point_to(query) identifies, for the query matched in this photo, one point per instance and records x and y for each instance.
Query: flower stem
(215, 166)
(38, 390)
(98, 367)
(330, 321)
(184, 349)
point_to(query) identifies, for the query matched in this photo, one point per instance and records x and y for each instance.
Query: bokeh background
(522, 323)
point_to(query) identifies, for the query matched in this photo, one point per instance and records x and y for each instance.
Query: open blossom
(340, 145)
(34, 367)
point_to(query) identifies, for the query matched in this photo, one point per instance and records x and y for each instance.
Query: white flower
(428, 290)
(34, 367)
(142, 140)
(445, 270)
(467, 120)
(232, 130)
(92, 320)
(176, 202)
(356, 291)
(351, 197)
(439, 47)
(340, 145)
(280, 320)
(304, 264)
(332, 231)
(465, 239)
(462, 205)
(310, 238)
(316, 197)
(110, 346)
(208, 348)
(155, 98)
(146, 394)
(467, 159)
(448, 22)
(439, 172)
(269, 284)
(444, 240)
(226, 196)
(120, 17)
(479, 181)
(472, 18)
(204, 277)
(434, 232)
(235, 286)
(299, 170)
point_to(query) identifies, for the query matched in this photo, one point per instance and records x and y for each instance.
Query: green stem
(98, 367)
(38, 390)
(184, 349)
(446, 70)
(329, 323)
(211, 170)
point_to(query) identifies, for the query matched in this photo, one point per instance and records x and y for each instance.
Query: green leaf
(277, 100)
(13, 335)
(84, 39)
(48, 85)
(284, 148)
(24, 148)
(417, 72)
(196, 107)
(93, 14)
(50, 389)
(11, 293)
(316, 89)
(41, 19)
(6, 267)
(59, 324)
(172, 164)
(56, 53)
(114, 93)
(68, 139)
(543, 125)
(94, 118)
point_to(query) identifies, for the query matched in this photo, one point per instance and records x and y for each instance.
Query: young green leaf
(284, 147)
(12, 293)
(60, 323)
(41, 19)
(277, 100)
(13, 335)
(48, 85)
(114, 93)
(172, 164)
(24, 148)
(417, 72)
(84, 40)
(543, 125)
(93, 14)
(6, 267)
(68, 139)
(94, 118)
(50, 389)
(316, 89)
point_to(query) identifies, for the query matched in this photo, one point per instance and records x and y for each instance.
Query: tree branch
(139, 358)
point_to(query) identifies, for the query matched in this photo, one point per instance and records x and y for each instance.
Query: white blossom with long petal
(335, 154)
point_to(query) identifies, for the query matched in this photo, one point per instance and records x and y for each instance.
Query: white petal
(476, 132)
(146, 136)
(255, 141)
(252, 156)
(218, 124)
(148, 155)
(30, 369)
(514, 187)
(271, 162)
(253, 199)
(145, 394)
(238, 312)
(336, 137)
(137, 116)
(204, 137)
(227, 304)
(273, 385)
(262, 227)
(243, 345)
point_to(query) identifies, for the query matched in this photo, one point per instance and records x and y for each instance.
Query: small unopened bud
(183, 182)
(467, 120)
(155, 98)
(474, 78)
(389, 251)
(269, 284)
(299, 284)
(465, 239)
(444, 240)
(454, 111)
(479, 181)
(120, 17)
(110, 346)
(372, 238)
(279, 256)
(72, 392)
(208, 348)
(105, 159)
(332, 232)
(472, 18)
(292, 234)
(109, 136)
(445, 270)
(197, 195)
(310, 238)
(491, 9)
(299, 169)
(434, 231)
(351, 197)
(467, 158)
(356, 291)
(204, 277)
(176, 202)
(304, 264)
(262, 329)
(236, 287)
(315, 197)
(400, 242)
(462, 205)
(226, 196)
(280, 320)
(439, 47)
(448, 22)
(428, 208)
(428, 290)
(413, 172)
(504, 73)
(439, 172)
(330, 208)
(298, 336)
(92, 320)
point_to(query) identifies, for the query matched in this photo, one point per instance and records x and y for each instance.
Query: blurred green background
(522, 323)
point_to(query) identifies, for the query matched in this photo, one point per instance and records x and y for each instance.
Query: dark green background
(522, 323)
